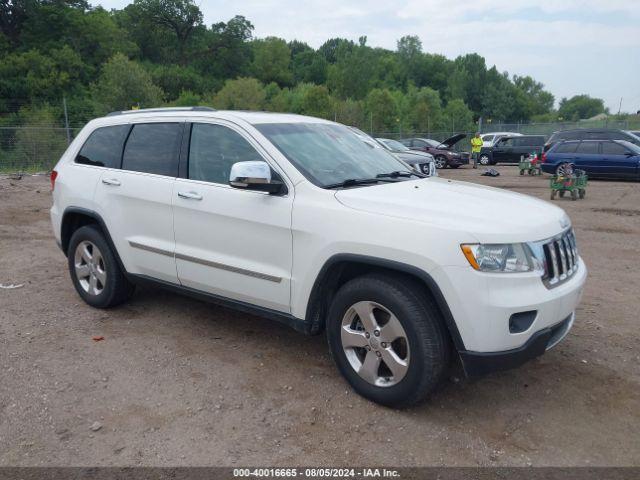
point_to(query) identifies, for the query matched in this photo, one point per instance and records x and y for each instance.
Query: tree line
(160, 52)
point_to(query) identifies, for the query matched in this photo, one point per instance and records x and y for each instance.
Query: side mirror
(254, 175)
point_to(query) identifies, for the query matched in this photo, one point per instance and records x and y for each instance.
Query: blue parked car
(599, 158)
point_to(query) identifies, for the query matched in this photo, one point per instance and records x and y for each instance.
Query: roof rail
(159, 110)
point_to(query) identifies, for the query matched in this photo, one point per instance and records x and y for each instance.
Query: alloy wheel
(90, 268)
(441, 162)
(375, 343)
(484, 160)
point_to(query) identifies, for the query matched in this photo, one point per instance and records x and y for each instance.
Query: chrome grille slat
(561, 258)
(569, 254)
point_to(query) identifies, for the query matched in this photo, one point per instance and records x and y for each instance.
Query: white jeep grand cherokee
(296, 219)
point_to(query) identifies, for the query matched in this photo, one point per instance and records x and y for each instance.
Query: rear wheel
(574, 194)
(560, 169)
(562, 193)
(582, 192)
(94, 269)
(553, 194)
(484, 159)
(387, 339)
(441, 162)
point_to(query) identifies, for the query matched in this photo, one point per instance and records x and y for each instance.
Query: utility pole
(66, 120)
(620, 106)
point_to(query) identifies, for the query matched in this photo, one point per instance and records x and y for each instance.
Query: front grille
(561, 258)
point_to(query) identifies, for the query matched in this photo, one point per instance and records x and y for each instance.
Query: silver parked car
(423, 162)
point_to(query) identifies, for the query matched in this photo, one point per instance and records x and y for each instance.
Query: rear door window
(613, 148)
(103, 148)
(153, 148)
(587, 148)
(567, 147)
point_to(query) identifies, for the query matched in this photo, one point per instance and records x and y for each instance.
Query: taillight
(53, 177)
(543, 157)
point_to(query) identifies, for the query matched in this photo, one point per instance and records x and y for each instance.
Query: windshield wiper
(351, 182)
(399, 173)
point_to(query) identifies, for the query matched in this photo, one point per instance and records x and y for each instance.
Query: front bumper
(478, 363)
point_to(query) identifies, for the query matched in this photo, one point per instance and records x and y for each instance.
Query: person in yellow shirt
(476, 145)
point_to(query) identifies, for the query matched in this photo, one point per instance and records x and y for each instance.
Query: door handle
(190, 195)
(111, 181)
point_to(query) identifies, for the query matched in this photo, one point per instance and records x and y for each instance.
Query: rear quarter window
(103, 148)
(153, 148)
(566, 147)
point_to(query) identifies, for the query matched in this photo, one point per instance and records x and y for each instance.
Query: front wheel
(484, 160)
(94, 269)
(441, 162)
(387, 339)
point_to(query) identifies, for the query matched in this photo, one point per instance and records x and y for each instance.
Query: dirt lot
(180, 382)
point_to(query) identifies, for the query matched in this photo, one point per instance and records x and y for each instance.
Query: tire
(561, 193)
(441, 162)
(574, 194)
(560, 169)
(95, 271)
(553, 194)
(484, 160)
(521, 172)
(582, 193)
(425, 347)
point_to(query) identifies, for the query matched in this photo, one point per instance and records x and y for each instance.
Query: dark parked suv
(591, 134)
(510, 149)
(443, 152)
(601, 158)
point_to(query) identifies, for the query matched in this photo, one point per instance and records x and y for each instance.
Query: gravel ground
(180, 382)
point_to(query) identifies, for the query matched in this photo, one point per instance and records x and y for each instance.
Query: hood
(491, 215)
(451, 141)
(414, 157)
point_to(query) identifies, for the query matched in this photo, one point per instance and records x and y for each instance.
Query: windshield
(631, 146)
(394, 145)
(327, 154)
(433, 143)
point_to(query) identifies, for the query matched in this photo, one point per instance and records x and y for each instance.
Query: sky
(572, 46)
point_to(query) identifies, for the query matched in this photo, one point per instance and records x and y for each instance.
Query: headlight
(502, 258)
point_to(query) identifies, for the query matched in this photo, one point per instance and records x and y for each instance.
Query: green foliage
(38, 143)
(124, 84)
(271, 59)
(241, 94)
(458, 116)
(382, 110)
(155, 51)
(579, 107)
(34, 76)
(314, 100)
(187, 99)
(180, 17)
(174, 79)
(423, 110)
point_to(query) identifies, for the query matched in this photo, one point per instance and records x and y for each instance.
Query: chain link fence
(32, 149)
(37, 148)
